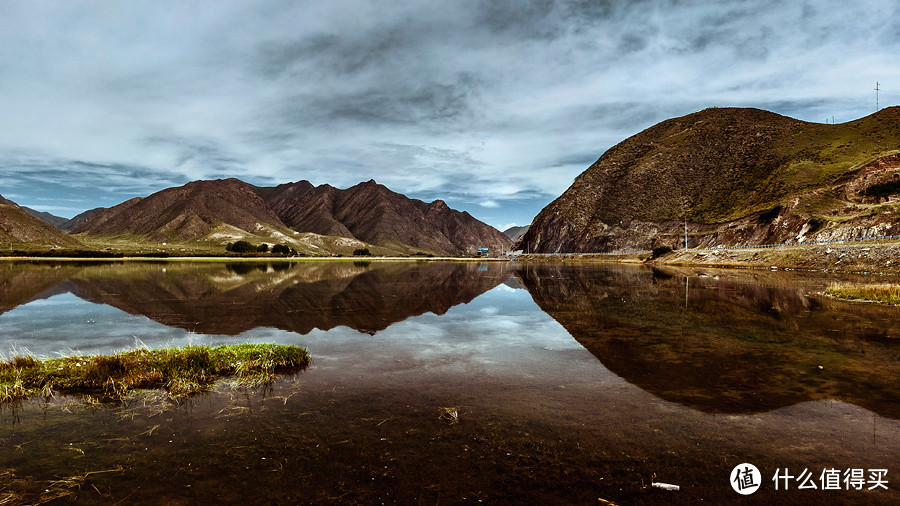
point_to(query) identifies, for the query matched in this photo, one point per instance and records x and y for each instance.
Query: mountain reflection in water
(742, 342)
(232, 298)
(727, 342)
(609, 378)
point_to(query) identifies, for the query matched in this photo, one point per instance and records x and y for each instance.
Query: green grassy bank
(883, 293)
(179, 371)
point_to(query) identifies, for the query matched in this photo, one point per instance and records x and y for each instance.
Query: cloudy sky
(494, 106)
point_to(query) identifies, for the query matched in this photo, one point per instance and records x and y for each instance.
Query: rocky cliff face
(731, 176)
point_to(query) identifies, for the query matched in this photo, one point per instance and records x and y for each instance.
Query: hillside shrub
(882, 189)
(262, 248)
(815, 223)
(240, 247)
(362, 252)
(660, 251)
(769, 214)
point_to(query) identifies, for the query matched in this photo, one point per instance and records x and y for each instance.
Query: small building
(482, 252)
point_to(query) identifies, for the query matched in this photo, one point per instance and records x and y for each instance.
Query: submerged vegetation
(885, 293)
(180, 371)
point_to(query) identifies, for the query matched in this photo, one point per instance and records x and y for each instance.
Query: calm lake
(461, 383)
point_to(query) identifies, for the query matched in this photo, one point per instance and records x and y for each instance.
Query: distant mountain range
(731, 176)
(514, 233)
(312, 219)
(59, 222)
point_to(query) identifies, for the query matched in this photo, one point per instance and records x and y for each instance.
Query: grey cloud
(470, 101)
(519, 19)
(73, 186)
(426, 104)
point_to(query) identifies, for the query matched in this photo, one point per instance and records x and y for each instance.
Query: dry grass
(884, 293)
(180, 371)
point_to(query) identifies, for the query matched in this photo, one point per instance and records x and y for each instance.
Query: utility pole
(685, 234)
(877, 87)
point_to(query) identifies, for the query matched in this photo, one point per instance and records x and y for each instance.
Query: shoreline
(251, 259)
(856, 258)
(860, 258)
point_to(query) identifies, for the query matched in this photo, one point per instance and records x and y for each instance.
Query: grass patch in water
(885, 293)
(180, 371)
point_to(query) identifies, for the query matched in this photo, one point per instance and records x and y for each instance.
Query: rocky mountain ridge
(368, 214)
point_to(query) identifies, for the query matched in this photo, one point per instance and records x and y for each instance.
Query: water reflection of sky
(501, 332)
(501, 327)
(66, 324)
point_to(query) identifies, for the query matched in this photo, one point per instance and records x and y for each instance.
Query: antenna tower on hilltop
(877, 87)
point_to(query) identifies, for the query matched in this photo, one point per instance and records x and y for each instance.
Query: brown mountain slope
(21, 230)
(185, 212)
(70, 225)
(367, 212)
(52, 219)
(371, 212)
(305, 207)
(737, 176)
(514, 233)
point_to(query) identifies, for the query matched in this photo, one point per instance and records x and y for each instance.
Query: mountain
(52, 219)
(192, 211)
(20, 230)
(59, 222)
(70, 225)
(514, 233)
(373, 213)
(367, 215)
(730, 176)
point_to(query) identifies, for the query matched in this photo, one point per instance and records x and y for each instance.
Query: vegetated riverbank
(237, 258)
(179, 371)
(872, 257)
(882, 293)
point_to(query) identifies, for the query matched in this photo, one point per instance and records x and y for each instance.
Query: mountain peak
(373, 213)
(186, 212)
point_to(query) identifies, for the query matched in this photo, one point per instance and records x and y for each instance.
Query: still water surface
(569, 384)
